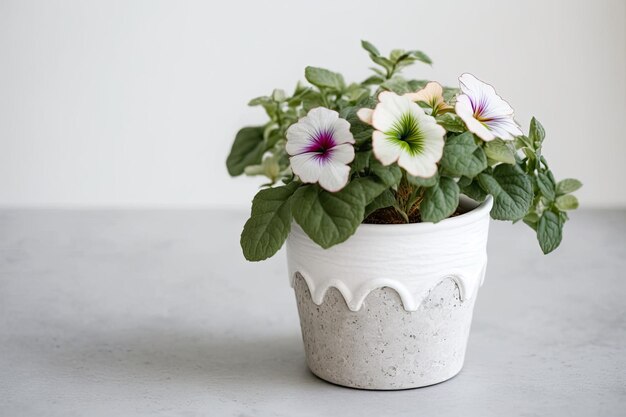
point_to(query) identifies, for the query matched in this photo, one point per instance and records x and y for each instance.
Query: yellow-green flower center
(406, 134)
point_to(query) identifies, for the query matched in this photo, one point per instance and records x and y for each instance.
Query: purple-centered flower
(320, 149)
(484, 112)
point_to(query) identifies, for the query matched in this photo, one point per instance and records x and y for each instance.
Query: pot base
(382, 346)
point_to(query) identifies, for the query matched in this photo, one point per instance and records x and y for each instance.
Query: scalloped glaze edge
(410, 258)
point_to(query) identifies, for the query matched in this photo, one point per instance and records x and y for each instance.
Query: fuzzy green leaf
(568, 185)
(500, 151)
(324, 78)
(546, 186)
(329, 218)
(422, 182)
(389, 175)
(386, 199)
(451, 122)
(566, 202)
(361, 161)
(367, 187)
(440, 201)
(462, 156)
(536, 132)
(421, 56)
(511, 189)
(398, 85)
(269, 224)
(474, 191)
(247, 149)
(373, 80)
(549, 231)
(370, 48)
(383, 62)
(362, 132)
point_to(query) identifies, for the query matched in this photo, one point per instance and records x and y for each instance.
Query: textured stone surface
(382, 346)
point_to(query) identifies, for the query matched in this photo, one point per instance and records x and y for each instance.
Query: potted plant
(383, 191)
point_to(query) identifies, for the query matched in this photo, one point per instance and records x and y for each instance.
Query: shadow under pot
(391, 307)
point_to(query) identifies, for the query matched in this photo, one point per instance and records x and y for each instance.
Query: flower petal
(322, 118)
(418, 165)
(433, 134)
(431, 91)
(306, 166)
(504, 128)
(343, 153)
(341, 131)
(365, 115)
(385, 150)
(390, 108)
(299, 136)
(465, 111)
(334, 176)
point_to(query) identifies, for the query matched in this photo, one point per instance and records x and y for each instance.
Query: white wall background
(117, 103)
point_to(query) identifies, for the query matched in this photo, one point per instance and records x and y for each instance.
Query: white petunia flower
(484, 112)
(404, 134)
(320, 146)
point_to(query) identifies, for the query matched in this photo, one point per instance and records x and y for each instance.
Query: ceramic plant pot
(391, 307)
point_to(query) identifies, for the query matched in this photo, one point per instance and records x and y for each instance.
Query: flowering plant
(391, 150)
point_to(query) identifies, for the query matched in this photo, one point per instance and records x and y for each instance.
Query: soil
(390, 216)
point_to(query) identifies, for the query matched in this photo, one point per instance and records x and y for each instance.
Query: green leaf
(279, 95)
(361, 161)
(536, 133)
(500, 151)
(356, 92)
(511, 189)
(568, 185)
(386, 199)
(373, 80)
(461, 156)
(421, 181)
(247, 149)
(546, 186)
(421, 56)
(397, 84)
(269, 224)
(368, 188)
(397, 54)
(451, 122)
(531, 219)
(259, 101)
(440, 201)
(328, 218)
(450, 92)
(324, 78)
(389, 175)
(566, 202)
(474, 191)
(549, 231)
(383, 62)
(370, 48)
(362, 132)
(311, 100)
(417, 84)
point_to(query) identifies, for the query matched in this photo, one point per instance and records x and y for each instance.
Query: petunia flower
(484, 112)
(432, 95)
(320, 146)
(404, 134)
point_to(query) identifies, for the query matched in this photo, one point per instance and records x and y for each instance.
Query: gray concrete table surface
(129, 313)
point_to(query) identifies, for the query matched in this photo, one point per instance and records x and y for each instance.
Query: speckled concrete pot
(391, 307)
